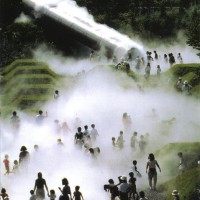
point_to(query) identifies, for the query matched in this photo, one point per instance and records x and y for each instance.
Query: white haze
(23, 19)
(98, 96)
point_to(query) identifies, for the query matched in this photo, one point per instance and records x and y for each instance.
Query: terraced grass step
(21, 63)
(26, 83)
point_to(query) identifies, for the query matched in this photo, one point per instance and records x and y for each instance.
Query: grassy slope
(189, 72)
(188, 181)
(186, 185)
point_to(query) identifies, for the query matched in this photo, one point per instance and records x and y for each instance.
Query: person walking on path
(151, 169)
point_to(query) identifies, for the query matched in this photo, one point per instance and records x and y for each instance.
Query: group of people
(38, 193)
(135, 143)
(126, 189)
(146, 63)
(85, 139)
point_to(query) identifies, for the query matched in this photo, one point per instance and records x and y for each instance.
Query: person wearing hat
(124, 188)
(186, 88)
(175, 194)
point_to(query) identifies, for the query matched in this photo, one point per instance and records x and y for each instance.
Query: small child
(132, 185)
(3, 194)
(6, 163)
(52, 195)
(33, 196)
(77, 195)
(134, 168)
(15, 166)
(142, 195)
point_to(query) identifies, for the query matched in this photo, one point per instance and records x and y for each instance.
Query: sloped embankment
(187, 182)
(26, 83)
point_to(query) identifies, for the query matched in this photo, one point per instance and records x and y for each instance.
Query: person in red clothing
(7, 164)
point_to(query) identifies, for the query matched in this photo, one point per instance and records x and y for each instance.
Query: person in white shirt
(94, 133)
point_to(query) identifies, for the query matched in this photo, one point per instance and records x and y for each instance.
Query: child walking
(77, 195)
(7, 164)
(52, 195)
(33, 196)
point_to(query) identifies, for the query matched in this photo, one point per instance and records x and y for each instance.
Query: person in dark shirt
(3, 194)
(24, 154)
(112, 188)
(78, 138)
(15, 121)
(40, 183)
(77, 194)
(66, 191)
(132, 185)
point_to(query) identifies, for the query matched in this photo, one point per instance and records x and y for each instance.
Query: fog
(98, 95)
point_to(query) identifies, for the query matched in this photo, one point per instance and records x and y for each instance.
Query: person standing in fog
(158, 70)
(93, 133)
(40, 183)
(40, 117)
(24, 154)
(66, 191)
(77, 194)
(123, 188)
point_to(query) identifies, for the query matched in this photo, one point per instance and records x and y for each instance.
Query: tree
(16, 44)
(193, 31)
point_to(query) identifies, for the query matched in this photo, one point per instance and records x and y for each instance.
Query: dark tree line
(149, 18)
